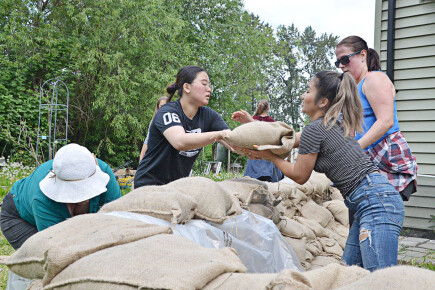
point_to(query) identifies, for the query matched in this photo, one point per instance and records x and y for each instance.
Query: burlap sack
(308, 256)
(158, 201)
(265, 211)
(338, 228)
(322, 261)
(290, 279)
(336, 194)
(334, 276)
(214, 203)
(306, 188)
(276, 136)
(315, 212)
(331, 247)
(231, 281)
(35, 285)
(397, 277)
(158, 262)
(49, 251)
(314, 247)
(320, 182)
(339, 210)
(299, 246)
(340, 240)
(318, 230)
(295, 195)
(290, 209)
(291, 228)
(247, 190)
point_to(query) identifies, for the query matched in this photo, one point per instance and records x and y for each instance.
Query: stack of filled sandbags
(98, 251)
(314, 220)
(179, 201)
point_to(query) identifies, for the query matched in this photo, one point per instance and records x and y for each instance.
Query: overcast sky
(339, 17)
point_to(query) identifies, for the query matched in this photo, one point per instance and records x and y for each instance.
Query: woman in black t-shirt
(180, 129)
(332, 103)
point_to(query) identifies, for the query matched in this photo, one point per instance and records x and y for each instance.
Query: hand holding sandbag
(276, 136)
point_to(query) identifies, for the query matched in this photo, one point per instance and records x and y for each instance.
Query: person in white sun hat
(73, 183)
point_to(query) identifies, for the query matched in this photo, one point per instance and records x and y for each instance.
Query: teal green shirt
(43, 212)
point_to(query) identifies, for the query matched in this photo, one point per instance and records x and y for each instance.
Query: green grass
(8, 175)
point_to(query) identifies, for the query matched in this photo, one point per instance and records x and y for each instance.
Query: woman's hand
(260, 154)
(242, 116)
(221, 134)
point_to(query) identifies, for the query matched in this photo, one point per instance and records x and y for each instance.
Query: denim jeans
(374, 235)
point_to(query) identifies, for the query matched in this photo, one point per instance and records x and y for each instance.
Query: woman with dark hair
(381, 138)
(180, 129)
(160, 102)
(262, 169)
(332, 103)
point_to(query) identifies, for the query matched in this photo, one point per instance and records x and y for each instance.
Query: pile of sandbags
(313, 219)
(99, 251)
(179, 201)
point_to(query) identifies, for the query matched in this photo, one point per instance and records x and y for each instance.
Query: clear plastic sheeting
(16, 282)
(257, 240)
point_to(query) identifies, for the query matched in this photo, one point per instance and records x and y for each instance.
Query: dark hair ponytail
(356, 43)
(186, 74)
(342, 94)
(373, 62)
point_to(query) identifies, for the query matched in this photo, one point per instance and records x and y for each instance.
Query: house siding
(414, 78)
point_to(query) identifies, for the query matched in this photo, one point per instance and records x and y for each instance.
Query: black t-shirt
(162, 163)
(341, 159)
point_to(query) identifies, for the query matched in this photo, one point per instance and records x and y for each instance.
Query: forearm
(379, 128)
(287, 168)
(190, 141)
(297, 139)
(143, 151)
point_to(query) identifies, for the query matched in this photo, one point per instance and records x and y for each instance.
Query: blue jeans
(374, 235)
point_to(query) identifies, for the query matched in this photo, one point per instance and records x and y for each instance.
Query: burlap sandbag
(306, 188)
(314, 247)
(338, 210)
(290, 209)
(318, 230)
(299, 246)
(322, 261)
(397, 277)
(295, 195)
(315, 212)
(320, 182)
(158, 201)
(331, 246)
(340, 240)
(214, 203)
(265, 211)
(247, 190)
(158, 262)
(276, 136)
(290, 279)
(333, 276)
(35, 285)
(338, 228)
(49, 251)
(291, 228)
(336, 194)
(231, 281)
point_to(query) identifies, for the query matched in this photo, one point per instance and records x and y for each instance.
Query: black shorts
(14, 228)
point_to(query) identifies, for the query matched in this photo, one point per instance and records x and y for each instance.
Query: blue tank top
(370, 118)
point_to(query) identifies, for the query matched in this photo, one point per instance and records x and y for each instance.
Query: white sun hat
(75, 176)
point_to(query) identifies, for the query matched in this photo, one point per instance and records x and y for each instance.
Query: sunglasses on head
(345, 59)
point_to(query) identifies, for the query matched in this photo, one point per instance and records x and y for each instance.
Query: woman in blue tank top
(381, 139)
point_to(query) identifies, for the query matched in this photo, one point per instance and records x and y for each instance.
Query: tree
(301, 56)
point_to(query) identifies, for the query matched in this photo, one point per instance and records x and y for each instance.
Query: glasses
(345, 59)
(207, 85)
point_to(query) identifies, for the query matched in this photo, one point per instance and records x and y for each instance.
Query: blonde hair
(342, 94)
(163, 98)
(262, 106)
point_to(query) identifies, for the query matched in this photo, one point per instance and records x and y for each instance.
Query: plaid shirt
(394, 159)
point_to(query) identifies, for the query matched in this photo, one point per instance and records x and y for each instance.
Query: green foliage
(302, 55)
(117, 57)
